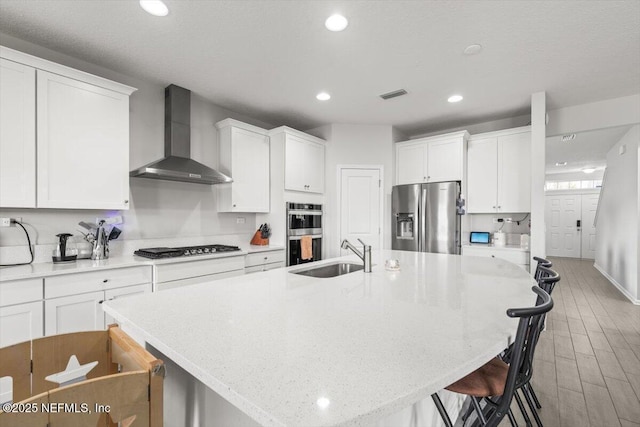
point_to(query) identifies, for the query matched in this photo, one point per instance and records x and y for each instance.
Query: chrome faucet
(365, 255)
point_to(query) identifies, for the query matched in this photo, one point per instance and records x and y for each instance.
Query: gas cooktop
(156, 253)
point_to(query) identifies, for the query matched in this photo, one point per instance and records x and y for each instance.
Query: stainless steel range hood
(177, 164)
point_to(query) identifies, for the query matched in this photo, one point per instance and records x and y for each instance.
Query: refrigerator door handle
(422, 211)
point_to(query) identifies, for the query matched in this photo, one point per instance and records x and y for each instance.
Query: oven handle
(304, 231)
(313, 236)
(299, 212)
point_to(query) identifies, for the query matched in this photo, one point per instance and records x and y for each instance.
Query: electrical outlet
(6, 222)
(508, 220)
(240, 220)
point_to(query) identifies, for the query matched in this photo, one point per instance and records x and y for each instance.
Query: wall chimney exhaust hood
(177, 164)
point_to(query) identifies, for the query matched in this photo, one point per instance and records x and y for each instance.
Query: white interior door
(360, 206)
(589, 207)
(562, 214)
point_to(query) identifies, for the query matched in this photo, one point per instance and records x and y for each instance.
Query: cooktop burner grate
(163, 252)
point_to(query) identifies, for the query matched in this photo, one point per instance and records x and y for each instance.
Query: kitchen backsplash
(484, 222)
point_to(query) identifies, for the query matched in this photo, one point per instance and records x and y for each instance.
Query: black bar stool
(497, 382)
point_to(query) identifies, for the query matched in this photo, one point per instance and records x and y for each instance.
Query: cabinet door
(74, 313)
(250, 171)
(304, 165)
(21, 322)
(411, 164)
(482, 175)
(444, 161)
(17, 135)
(514, 173)
(112, 294)
(315, 167)
(83, 145)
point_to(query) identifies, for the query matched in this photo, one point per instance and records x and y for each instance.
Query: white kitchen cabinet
(513, 254)
(264, 261)
(73, 301)
(499, 172)
(244, 156)
(433, 159)
(303, 160)
(185, 273)
(74, 313)
(20, 311)
(21, 322)
(17, 135)
(81, 123)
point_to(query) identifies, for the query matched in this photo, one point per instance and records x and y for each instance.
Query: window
(572, 185)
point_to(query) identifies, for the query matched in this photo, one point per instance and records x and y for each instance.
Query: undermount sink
(330, 270)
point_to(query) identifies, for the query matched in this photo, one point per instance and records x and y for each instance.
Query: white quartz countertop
(292, 350)
(47, 269)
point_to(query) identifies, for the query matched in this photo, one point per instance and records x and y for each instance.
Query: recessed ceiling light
(455, 98)
(323, 96)
(154, 7)
(323, 402)
(589, 170)
(567, 138)
(472, 49)
(561, 163)
(336, 22)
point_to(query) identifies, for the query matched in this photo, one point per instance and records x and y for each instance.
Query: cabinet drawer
(516, 257)
(72, 284)
(196, 280)
(261, 258)
(185, 270)
(20, 291)
(263, 267)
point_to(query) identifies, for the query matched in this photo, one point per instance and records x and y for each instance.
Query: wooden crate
(127, 378)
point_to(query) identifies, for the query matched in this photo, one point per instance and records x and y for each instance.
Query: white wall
(158, 208)
(355, 145)
(617, 228)
(574, 176)
(596, 115)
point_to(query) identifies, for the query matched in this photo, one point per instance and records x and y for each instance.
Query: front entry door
(360, 210)
(562, 217)
(589, 208)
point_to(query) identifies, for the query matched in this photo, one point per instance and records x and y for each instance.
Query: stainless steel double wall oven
(303, 219)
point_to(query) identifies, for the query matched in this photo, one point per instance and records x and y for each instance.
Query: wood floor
(587, 364)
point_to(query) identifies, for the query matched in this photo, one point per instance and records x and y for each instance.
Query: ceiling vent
(567, 138)
(393, 94)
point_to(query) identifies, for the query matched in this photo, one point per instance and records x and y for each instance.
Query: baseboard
(613, 281)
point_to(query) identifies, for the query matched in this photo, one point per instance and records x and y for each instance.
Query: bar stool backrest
(529, 328)
(547, 279)
(541, 263)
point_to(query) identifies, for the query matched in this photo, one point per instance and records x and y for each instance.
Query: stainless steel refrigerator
(425, 217)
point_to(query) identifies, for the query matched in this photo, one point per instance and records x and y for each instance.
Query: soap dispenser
(64, 251)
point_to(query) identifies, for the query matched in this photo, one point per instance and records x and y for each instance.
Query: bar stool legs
(533, 410)
(523, 411)
(443, 412)
(533, 395)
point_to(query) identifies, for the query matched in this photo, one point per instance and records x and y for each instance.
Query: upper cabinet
(303, 160)
(244, 156)
(81, 123)
(499, 172)
(433, 159)
(17, 135)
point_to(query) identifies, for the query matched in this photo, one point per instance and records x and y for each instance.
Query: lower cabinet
(191, 272)
(74, 313)
(264, 261)
(517, 256)
(20, 322)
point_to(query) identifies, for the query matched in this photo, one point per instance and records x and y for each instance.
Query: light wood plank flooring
(587, 367)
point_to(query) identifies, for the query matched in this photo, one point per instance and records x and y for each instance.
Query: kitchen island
(292, 350)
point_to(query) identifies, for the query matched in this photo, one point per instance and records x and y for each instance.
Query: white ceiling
(587, 150)
(269, 59)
